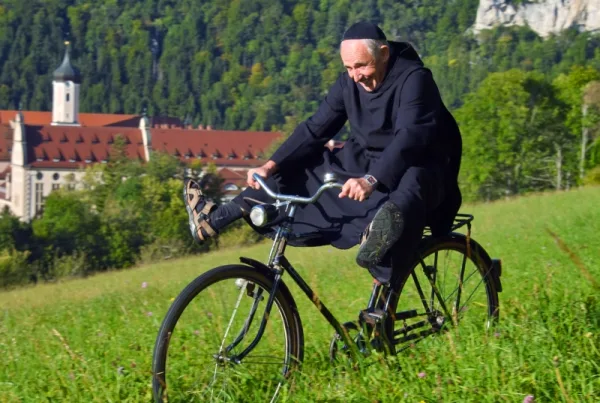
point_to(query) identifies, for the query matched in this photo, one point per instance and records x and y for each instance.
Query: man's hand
(356, 189)
(268, 169)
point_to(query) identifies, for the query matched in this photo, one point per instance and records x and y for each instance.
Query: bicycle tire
(470, 250)
(284, 303)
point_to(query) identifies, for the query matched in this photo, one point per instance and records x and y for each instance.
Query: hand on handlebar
(264, 171)
(356, 189)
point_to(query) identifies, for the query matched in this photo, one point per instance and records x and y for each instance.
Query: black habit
(401, 133)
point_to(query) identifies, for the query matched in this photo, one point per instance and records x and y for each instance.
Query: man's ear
(385, 53)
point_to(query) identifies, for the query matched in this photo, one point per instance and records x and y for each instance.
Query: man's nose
(357, 76)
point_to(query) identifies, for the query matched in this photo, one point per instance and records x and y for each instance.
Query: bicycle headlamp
(262, 214)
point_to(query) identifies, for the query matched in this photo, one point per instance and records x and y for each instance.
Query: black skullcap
(364, 30)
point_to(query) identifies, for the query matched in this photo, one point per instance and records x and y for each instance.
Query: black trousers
(419, 193)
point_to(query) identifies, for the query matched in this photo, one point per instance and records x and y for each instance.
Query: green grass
(92, 339)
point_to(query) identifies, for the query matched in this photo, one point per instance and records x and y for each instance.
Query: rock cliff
(542, 16)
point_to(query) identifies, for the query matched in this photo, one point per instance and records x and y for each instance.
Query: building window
(55, 186)
(230, 187)
(55, 176)
(39, 197)
(39, 175)
(68, 97)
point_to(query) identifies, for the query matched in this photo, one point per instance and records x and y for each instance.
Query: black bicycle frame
(279, 263)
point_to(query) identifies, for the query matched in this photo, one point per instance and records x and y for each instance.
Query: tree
(570, 89)
(590, 113)
(508, 127)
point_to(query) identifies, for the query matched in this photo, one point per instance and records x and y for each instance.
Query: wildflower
(421, 375)
(144, 285)
(496, 334)
(529, 399)
(196, 332)
(172, 299)
(148, 313)
(120, 370)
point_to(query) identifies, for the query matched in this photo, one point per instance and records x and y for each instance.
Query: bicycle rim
(464, 294)
(202, 326)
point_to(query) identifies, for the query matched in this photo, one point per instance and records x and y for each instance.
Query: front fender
(269, 273)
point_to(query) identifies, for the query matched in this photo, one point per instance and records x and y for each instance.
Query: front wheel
(210, 346)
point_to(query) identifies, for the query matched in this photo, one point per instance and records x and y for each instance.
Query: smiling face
(361, 65)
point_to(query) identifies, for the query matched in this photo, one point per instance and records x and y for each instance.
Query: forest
(528, 107)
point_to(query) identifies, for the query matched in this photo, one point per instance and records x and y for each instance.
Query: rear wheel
(451, 284)
(208, 348)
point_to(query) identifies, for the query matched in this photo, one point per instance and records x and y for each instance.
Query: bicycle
(243, 347)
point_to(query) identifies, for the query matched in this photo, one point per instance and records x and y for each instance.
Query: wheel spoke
(217, 352)
(461, 290)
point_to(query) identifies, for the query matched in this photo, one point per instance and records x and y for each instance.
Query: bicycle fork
(276, 252)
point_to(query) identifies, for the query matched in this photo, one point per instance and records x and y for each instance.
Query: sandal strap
(196, 194)
(208, 206)
(204, 225)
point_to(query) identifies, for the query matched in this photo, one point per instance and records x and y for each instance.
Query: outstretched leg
(206, 219)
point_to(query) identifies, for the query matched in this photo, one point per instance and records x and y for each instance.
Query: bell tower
(65, 93)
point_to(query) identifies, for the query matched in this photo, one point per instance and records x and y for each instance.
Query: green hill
(92, 339)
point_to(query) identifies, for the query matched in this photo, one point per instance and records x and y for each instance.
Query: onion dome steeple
(66, 71)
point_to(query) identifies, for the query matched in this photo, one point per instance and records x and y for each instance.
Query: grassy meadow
(91, 340)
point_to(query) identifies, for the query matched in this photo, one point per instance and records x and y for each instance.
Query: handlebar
(329, 184)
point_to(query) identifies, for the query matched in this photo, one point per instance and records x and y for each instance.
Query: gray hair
(374, 46)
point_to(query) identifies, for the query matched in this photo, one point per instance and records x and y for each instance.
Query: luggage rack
(460, 220)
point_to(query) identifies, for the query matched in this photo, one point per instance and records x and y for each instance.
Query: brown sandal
(198, 221)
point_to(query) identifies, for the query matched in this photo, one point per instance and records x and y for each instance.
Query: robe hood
(402, 57)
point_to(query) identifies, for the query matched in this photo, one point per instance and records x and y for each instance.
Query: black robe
(403, 123)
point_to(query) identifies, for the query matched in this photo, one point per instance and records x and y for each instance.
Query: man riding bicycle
(399, 166)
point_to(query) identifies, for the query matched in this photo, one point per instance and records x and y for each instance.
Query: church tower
(65, 98)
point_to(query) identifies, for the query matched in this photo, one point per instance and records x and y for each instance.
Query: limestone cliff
(542, 16)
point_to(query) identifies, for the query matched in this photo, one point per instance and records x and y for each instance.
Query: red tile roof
(70, 146)
(5, 141)
(41, 118)
(75, 147)
(237, 177)
(4, 172)
(233, 148)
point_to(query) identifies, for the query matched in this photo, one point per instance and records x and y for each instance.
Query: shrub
(592, 177)
(239, 234)
(13, 268)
